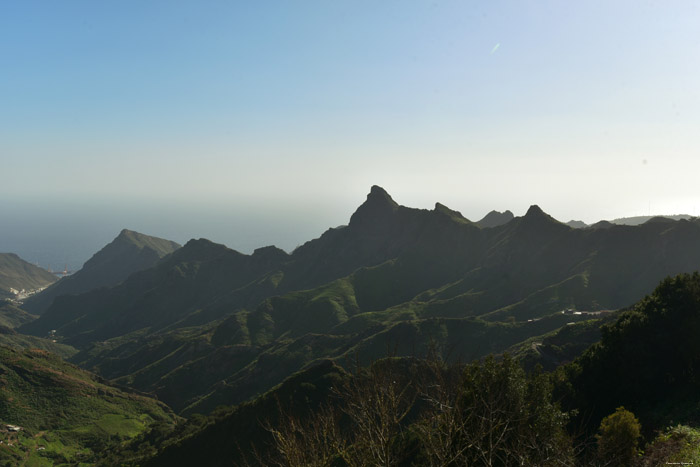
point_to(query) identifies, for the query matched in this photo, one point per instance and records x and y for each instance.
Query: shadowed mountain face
(495, 218)
(15, 273)
(128, 253)
(209, 326)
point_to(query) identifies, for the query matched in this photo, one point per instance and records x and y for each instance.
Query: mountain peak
(536, 218)
(495, 218)
(535, 210)
(378, 206)
(128, 253)
(160, 245)
(129, 235)
(379, 194)
(439, 207)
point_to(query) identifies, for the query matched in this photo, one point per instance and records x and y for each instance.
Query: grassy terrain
(678, 445)
(66, 411)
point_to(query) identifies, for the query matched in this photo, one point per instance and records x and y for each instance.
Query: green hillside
(411, 411)
(129, 252)
(406, 411)
(17, 274)
(65, 414)
(208, 325)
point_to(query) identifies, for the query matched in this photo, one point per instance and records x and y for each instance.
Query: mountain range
(202, 326)
(207, 325)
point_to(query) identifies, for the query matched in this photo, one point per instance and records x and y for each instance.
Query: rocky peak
(376, 209)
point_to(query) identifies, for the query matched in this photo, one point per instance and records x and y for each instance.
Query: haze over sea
(255, 123)
(57, 235)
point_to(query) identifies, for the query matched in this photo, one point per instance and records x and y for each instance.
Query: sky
(253, 123)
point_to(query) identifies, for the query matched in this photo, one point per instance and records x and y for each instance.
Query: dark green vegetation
(395, 412)
(647, 360)
(17, 274)
(563, 345)
(128, 253)
(618, 402)
(208, 326)
(66, 414)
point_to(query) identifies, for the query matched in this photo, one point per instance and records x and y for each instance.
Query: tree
(490, 414)
(510, 418)
(311, 441)
(376, 402)
(365, 417)
(618, 438)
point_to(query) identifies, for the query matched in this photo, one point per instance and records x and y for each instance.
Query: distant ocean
(61, 237)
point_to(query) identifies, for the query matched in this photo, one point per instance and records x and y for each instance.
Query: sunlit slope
(67, 411)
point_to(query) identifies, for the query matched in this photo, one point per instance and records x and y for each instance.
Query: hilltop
(129, 252)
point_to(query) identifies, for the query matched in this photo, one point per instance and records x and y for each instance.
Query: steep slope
(17, 274)
(65, 414)
(129, 252)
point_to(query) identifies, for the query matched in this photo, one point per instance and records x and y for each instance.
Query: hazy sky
(292, 110)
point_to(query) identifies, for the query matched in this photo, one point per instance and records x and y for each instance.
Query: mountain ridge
(129, 252)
